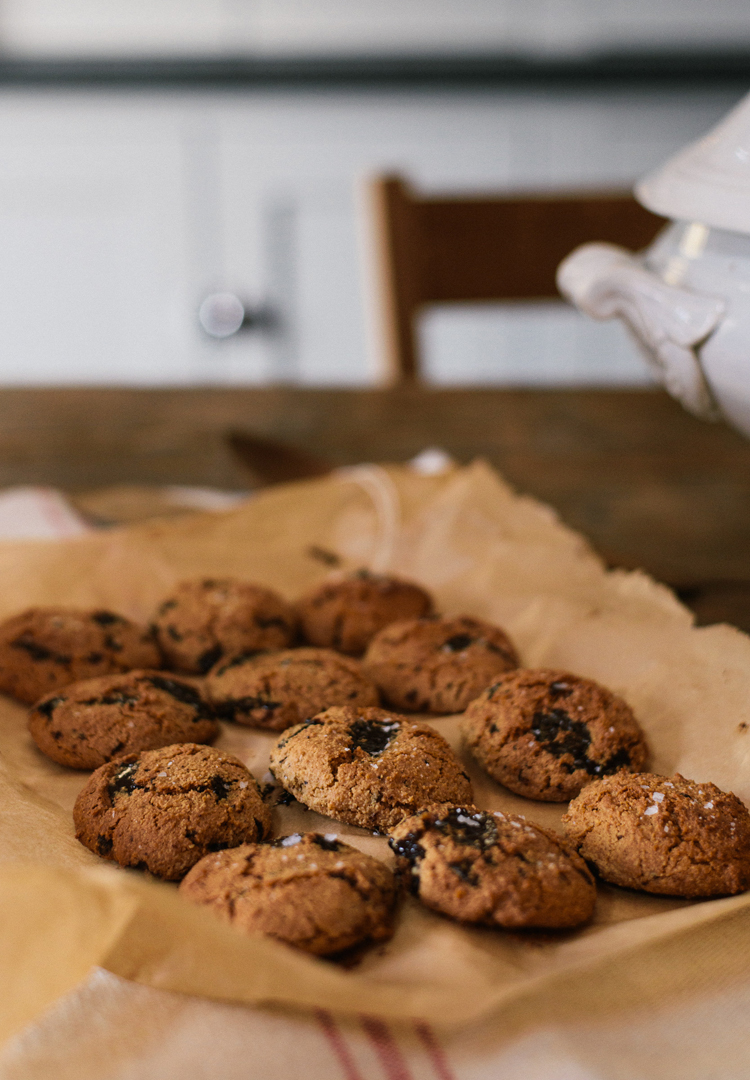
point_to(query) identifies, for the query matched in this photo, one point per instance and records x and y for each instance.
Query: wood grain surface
(648, 484)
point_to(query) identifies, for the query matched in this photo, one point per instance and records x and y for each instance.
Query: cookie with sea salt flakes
(665, 835)
(205, 621)
(42, 649)
(276, 690)
(163, 810)
(368, 767)
(546, 734)
(90, 722)
(438, 665)
(346, 613)
(493, 869)
(311, 891)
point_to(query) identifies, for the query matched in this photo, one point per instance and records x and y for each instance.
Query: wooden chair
(446, 250)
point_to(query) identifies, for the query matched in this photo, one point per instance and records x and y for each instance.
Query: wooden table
(650, 485)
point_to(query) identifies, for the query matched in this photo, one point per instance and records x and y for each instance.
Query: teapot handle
(605, 281)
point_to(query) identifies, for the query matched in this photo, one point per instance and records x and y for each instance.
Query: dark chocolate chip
(123, 780)
(39, 652)
(325, 843)
(167, 606)
(474, 829)
(112, 643)
(106, 618)
(180, 691)
(95, 658)
(103, 845)
(220, 787)
(373, 736)
(458, 642)
(562, 736)
(210, 657)
(46, 708)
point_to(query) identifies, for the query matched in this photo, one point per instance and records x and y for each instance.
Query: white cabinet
(120, 212)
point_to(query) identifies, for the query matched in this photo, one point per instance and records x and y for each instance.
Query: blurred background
(155, 153)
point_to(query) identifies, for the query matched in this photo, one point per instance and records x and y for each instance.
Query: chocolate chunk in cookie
(438, 665)
(663, 834)
(91, 722)
(43, 649)
(277, 690)
(494, 869)
(345, 614)
(546, 734)
(203, 622)
(368, 767)
(308, 890)
(163, 810)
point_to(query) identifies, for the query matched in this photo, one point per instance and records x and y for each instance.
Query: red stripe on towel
(391, 1058)
(435, 1052)
(338, 1045)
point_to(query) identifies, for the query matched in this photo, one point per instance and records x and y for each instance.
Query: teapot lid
(707, 181)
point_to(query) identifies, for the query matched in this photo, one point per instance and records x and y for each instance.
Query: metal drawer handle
(221, 315)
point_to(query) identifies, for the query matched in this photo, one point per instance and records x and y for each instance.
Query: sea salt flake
(243, 784)
(330, 836)
(516, 824)
(651, 810)
(290, 841)
(658, 797)
(161, 774)
(709, 806)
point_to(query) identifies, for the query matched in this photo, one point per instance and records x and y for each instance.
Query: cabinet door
(94, 260)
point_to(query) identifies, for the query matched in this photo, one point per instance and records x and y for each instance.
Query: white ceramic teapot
(687, 297)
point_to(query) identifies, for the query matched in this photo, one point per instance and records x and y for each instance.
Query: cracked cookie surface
(546, 734)
(345, 614)
(277, 690)
(661, 834)
(90, 722)
(309, 890)
(368, 767)
(492, 869)
(43, 649)
(163, 810)
(202, 622)
(438, 665)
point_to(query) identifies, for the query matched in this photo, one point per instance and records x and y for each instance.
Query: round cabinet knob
(221, 314)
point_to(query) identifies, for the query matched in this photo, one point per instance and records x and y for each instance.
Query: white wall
(120, 212)
(268, 27)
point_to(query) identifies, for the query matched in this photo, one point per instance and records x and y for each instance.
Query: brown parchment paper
(482, 550)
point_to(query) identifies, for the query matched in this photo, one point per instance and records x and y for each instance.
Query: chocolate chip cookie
(308, 890)
(368, 767)
(546, 734)
(88, 723)
(205, 621)
(493, 869)
(277, 690)
(43, 649)
(345, 614)
(664, 835)
(438, 665)
(163, 810)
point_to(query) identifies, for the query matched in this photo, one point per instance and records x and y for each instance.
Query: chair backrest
(443, 250)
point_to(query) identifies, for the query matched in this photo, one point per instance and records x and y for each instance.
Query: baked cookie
(494, 869)
(546, 734)
(276, 690)
(308, 890)
(663, 834)
(438, 665)
(368, 767)
(43, 649)
(88, 723)
(163, 810)
(345, 614)
(202, 622)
